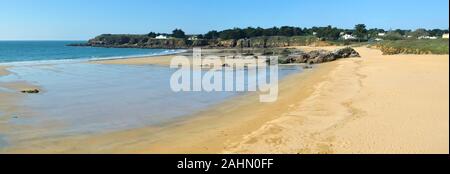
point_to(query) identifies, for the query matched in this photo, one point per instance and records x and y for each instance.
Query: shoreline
(83, 60)
(225, 121)
(373, 104)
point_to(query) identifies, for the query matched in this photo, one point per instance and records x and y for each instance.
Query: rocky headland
(144, 41)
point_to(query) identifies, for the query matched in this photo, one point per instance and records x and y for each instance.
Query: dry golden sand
(376, 104)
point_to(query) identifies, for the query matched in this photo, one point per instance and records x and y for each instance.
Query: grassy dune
(438, 46)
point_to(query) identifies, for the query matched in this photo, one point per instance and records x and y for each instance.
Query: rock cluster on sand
(319, 56)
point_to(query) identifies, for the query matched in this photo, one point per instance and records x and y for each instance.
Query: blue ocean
(25, 51)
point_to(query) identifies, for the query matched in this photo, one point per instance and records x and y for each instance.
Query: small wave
(78, 60)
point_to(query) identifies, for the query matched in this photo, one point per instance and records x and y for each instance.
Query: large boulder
(346, 53)
(298, 57)
(30, 91)
(320, 56)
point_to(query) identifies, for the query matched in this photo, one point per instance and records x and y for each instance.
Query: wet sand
(207, 132)
(373, 104)
(3, 71)
(154, 60)
(10, 99)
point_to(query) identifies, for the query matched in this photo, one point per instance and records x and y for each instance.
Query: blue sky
(83, 19)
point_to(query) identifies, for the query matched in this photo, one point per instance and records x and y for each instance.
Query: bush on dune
(414, 46)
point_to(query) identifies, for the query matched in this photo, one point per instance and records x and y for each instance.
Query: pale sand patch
(155, 60)
(379, 104)
(312, 48)
(3, 71)
(165, 60)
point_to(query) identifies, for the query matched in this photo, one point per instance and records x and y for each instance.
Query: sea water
(26, 51)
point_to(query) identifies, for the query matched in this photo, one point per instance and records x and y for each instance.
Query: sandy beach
(373, 104)
(154, 60)
(377, 104)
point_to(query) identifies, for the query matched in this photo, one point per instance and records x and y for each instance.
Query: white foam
(78, 60)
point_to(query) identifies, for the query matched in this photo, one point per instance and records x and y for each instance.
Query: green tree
(393, 35)
(327, 33)
(212, 35)
(373, 33)
(437, 32)
(152, 34)
(271, 31)
(178, 33)
(286, 31)
(360, 31)
(419, 32)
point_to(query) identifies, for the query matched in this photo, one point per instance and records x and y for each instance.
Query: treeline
(177, 33)
(250, 32)
(329, 33)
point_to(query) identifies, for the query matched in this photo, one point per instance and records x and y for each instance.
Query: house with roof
(161, 37)
(348, 37)
(193, 37)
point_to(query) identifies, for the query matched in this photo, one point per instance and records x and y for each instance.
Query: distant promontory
(285, 36)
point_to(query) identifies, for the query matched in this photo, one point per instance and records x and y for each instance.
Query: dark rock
(80, 45)
(307, 67)
(346, 53)
(31, 91)
(267, 53)
(299, 57)
(319, 56)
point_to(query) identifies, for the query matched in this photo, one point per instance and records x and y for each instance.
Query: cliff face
(135, 41)
(143, 41)
(265, 42)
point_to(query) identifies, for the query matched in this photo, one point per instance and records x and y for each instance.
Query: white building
(445, 36)
(427, 37)
(161, 37)
(193, 38)
(348, 37)
(381, 34)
